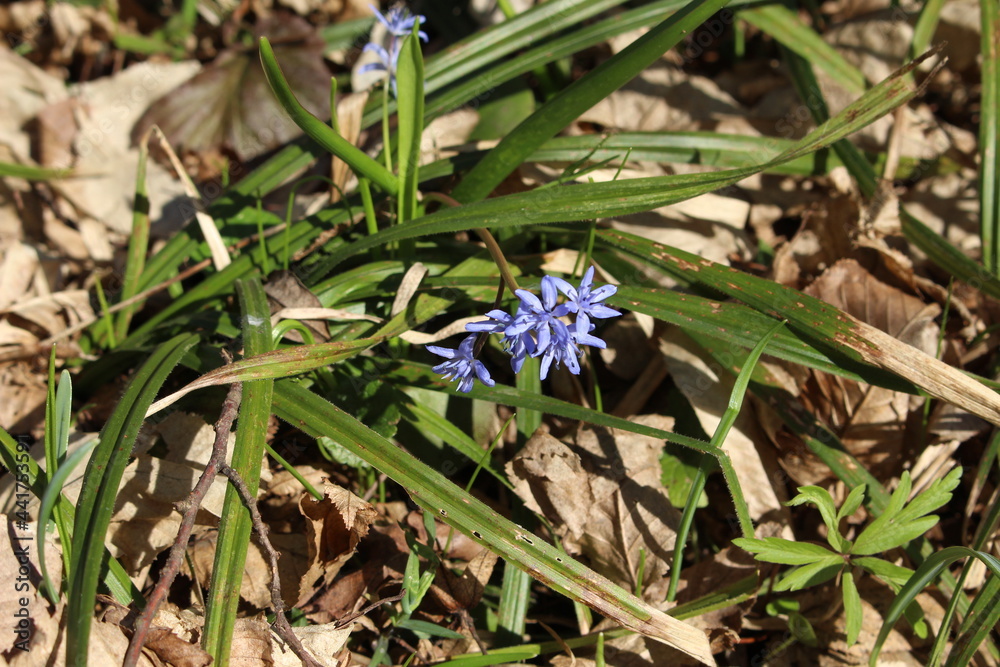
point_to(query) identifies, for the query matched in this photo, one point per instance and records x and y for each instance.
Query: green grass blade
(421, 376)
(426, 420)
(410, 88)
(736, 324)
(782, 24)
(15, 459)
(546, 51)
(53, 491)
(319, 131)
(497, 42)
(978, 623)
(453, 505)
(29, 173)
(248, 451)
(593, 200)
(817, 322)
(989, 135)
(579, 96)
(100, 488)
(925, 574)
(927, 24)
(948, 257)
(718, 439)
(138, 244)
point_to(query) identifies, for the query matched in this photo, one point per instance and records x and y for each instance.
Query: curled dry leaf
(334, 527)
(604, 496)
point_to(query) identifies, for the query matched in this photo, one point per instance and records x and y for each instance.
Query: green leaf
(812, 574)
(319, 131)
(30, 173)
(579, 96)
(410, 102)
(853, 613)
(852, 502)
(925, 574)
(248, 451)
(900, 523)
(989, 135)
(894, 575)
(100, 487)
(451, 504)
(783, 25)
(787, 552)
(823, 501)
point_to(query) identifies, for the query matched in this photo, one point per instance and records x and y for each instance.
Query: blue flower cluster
(536, 329)
(398, 23)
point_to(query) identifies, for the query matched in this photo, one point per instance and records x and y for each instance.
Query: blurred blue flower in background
(398, 23)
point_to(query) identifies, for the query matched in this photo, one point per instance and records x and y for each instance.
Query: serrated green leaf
(823, 501)
(900, 523)
(812, 574)
(787, 552)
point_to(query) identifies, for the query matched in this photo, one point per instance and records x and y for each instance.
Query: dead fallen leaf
(334, 527)
(870, 421)
(323, 642)
(174, 650)
(604, 496)
(284, 290)
(251, 645)
(229, 103)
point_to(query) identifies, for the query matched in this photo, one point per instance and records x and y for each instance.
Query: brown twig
(189, 509)
(281, 625)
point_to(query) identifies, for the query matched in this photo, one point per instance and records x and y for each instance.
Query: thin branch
(189, 509)
(281, 625)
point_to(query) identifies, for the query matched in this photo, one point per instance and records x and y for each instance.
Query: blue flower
(586, 302)
(537, 329)
(518, 346)
(462, 365)
(398, 23)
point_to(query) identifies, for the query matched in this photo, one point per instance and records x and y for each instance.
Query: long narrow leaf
(593, 200)
(248, 451)
(579, 96)
(319, 131)
(453, 505)
(924, 575)
(989, 135)
(100, 488)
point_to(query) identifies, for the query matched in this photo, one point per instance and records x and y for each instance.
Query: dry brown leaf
(251, 646)
(465, 591)
(709, 226)
(870, 421)
(145, 521)
(284, 290)
(334, 527)
(230, 103)
(174, 650)
(350, 110)
(663, 98)
(604, 496)
(323, 642)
